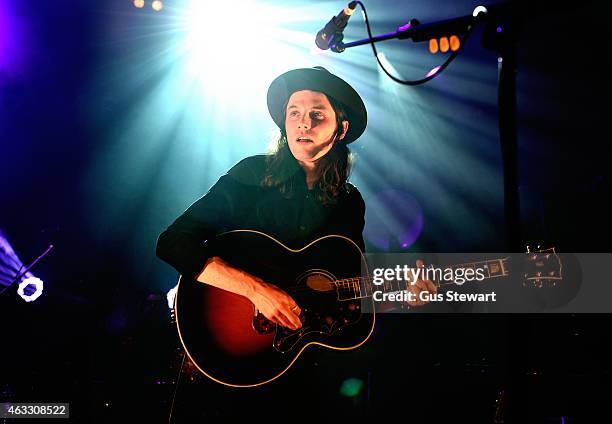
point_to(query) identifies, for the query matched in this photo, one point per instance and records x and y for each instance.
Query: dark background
(101, 336)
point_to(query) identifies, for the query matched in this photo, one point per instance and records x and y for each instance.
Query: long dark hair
(332, 172)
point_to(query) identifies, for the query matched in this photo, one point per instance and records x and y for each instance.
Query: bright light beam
(231, 45)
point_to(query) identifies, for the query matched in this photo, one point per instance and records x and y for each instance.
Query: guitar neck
(363, 287)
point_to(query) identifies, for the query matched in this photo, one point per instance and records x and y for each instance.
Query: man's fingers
(431, 286)
(414, 289)
(422, 285)
(427, 285)
(280, 319)
(295, 320)
(290, 317)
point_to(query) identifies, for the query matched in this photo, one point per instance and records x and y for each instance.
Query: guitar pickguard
(323, 315)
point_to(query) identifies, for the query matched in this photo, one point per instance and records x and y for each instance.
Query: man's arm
(272, 302)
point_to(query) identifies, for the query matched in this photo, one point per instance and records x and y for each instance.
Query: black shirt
(239, 201)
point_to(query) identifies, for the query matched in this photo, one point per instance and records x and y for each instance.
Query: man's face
(310, 122)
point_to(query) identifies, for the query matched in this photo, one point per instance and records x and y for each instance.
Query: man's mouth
(304, 140)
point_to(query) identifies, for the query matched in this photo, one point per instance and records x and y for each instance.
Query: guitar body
(232, 343)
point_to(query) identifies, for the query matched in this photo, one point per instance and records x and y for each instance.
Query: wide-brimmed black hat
(318, 79)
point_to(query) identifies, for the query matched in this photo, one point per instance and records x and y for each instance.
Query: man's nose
(304, 123)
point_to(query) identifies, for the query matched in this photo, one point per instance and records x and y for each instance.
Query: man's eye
(317, 115)
(293, 113)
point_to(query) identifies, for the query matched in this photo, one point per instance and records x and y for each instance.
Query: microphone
(331, 34)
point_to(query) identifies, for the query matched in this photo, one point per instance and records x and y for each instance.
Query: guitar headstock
(543, 267)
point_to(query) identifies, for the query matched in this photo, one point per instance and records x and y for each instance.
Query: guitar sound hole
(319, 282)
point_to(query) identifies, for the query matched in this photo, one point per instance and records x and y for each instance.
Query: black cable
(464, 39)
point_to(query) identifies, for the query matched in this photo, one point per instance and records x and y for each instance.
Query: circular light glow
(479, 10)
(455, 43)
(433, 46)
(38, 285)
(157, 5)
(351, 387)
(444, 45)
(394, 228)
(139, 4)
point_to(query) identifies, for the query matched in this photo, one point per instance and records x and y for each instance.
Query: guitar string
(354, 285)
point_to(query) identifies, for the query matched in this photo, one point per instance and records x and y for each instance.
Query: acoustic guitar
(232, 343)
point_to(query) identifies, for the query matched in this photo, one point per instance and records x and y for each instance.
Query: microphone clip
(335, 42)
